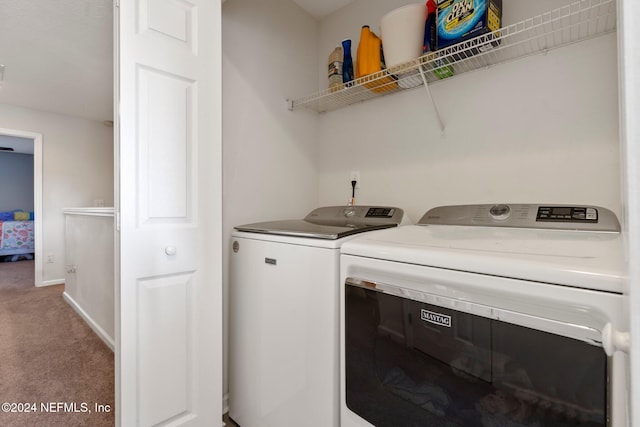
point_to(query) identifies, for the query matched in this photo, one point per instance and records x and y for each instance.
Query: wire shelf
(578, 21)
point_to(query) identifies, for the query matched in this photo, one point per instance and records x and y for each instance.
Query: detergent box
(459, 20)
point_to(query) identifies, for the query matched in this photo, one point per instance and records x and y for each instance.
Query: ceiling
(58, 54)
(320, 9)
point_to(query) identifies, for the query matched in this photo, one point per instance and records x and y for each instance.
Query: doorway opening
(31, 141)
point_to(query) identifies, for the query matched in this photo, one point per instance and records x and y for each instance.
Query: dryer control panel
(567, 213)
(548, 216)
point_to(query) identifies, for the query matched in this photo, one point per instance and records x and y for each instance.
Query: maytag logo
(435, 318)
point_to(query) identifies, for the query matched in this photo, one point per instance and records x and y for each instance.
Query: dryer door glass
(414, 364)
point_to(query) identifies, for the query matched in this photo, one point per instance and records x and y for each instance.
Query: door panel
(167, 110)
(165, 303)
(172, 19)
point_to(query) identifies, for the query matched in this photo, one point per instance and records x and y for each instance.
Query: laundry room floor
(228, 422)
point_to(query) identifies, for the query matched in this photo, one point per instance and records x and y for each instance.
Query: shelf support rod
(433, 102)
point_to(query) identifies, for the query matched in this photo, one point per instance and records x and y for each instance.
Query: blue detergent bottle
(347, 63)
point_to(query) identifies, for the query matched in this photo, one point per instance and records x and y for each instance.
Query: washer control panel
(561, 217)
(368, 212)
(356, 215)
(380, 213)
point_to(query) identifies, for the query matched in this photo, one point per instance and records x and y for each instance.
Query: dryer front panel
(424, 346)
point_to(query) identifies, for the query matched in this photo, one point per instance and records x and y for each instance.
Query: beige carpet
(50, 360)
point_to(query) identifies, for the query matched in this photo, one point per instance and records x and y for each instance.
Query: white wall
(16, 176)
(77, 169)
(269, 153)
(89, 237)
(541, 129)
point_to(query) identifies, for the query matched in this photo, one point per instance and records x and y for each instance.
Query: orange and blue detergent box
(460, 20)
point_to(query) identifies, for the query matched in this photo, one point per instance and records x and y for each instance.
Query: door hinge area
(117, 221)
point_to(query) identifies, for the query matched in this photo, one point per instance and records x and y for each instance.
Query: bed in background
(16, 235)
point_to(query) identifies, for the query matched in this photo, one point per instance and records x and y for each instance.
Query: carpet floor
(54, 370)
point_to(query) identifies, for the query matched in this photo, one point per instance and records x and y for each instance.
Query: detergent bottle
(347, 63)
(335, 69)
(430, 28)
(370, 60)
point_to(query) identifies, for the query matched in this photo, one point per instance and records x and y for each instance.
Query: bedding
(16, 237)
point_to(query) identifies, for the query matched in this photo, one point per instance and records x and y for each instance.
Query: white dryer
(486, 315)
(283, 315)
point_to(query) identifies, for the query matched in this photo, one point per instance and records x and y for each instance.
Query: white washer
(283, 315)
(486, 315)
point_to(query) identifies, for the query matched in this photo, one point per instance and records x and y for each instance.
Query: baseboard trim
(92, 324)
(51, 283)
(225, 403)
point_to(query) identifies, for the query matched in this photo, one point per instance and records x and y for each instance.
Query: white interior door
(168, 160)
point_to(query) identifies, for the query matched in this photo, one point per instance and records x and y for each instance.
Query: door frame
(629, 107)
(37, 195)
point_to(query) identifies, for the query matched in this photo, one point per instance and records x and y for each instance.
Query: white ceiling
(322, 8)
(58, 56)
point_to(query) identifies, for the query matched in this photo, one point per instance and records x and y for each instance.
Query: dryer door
(414, 364)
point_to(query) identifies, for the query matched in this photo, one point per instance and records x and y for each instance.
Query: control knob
(349, 211)
(500, 212)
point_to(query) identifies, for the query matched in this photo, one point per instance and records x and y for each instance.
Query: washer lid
(302, 228)
(331, 222)
(589, 260)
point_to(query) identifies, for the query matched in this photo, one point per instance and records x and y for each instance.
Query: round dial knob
(349, 212)
(500, 212)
